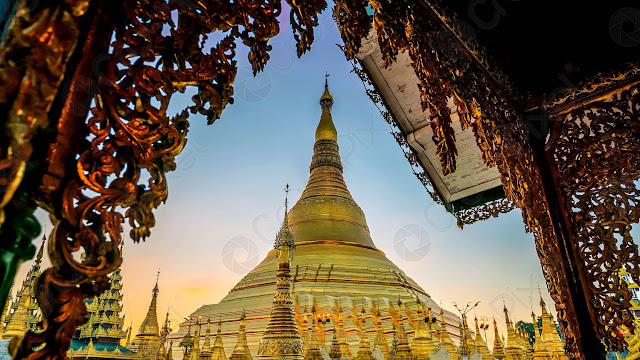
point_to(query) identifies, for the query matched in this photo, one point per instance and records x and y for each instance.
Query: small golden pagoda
(480, 344)
(281, 338)
(514, 350)
(241, 351)
(206, 352)
(498, 345)
(422, 345)
(218, 347)
(540, 352)
(147, 341)
(194, 354)
(549, 335)
(466, 343)
(334, 352)
(402, 351)
(24, 312)
(380, 340)
(313, 350)
(364, 351)
(166, 330)
(445, 339)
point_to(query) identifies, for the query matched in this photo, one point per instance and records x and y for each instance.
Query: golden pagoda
(480, 344)
(313, 350)
(498, 346)
(334, 253)
(345, 349)
(24, 312)
(422, 345)
(101, 336)
(540, 352)
(147, 341)
(514, 350)
(166, 330)
(194, 354)
(206, 352)
(380, 341)
(402, 351)
(466, 343)
(281, 338)
(218, 347)
(241, 351)
(445, 339)
(335, 353)
(549, 335)
(364, 352)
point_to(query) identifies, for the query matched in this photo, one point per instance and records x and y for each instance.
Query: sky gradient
(226, 198)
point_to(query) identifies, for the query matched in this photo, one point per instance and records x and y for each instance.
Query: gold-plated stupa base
(330, 274)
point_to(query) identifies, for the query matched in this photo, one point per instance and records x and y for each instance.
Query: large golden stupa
(336, 268)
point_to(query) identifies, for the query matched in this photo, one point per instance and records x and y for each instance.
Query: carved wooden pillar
(575, 307)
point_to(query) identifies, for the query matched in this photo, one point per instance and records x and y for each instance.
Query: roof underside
(473, 182)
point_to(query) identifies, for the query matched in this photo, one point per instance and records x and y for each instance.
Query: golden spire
(218, 348)
(326, 129)
(335, 353)
(170, 351)
(166, 330)
(345, 349)
(147, 340)
(281, 338)
(381, 340)
(421, 346)
(539, 350)
(326, 204)
(402, 352)
(513, 348)
(313, 350)
(241, 351)
(466, 346)
(205, 354)
(480, 344)
(498, 346)
(194, 354)
(364, 351)
(549, 335)
(445, 339)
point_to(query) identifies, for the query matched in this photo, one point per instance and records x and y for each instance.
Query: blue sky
(226, 198)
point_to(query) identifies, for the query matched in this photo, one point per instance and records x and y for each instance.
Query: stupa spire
(445, 339)
(480, 344)
(25, 313)
(326, 189)
(313, 350)
(281, 338)
(421, 346)
(345, 349)
(381, 340)
(241, 351)
(498, 346)
(364, 352)
(335, 353)
(403, 351)
(147, 340)
(218, 348)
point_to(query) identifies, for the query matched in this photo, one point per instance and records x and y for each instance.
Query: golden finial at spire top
(286, 199)
(326, 129)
